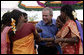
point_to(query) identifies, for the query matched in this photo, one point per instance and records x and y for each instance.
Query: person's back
(21, 34)
(23, 41)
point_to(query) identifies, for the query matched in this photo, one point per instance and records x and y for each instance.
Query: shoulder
(7, 28)
(71, 23)
(39, 23)
(54, 20)
(28, 24)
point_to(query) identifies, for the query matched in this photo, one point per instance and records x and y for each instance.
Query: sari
(4, 40)
(67, 31)
(24, 45)
(23, 41)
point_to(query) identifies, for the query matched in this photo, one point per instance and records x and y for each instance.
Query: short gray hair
(50, 10)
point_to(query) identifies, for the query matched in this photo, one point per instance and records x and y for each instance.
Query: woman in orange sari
(68, 34)
(22, 35)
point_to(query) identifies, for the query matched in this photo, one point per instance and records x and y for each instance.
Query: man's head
(47, 14)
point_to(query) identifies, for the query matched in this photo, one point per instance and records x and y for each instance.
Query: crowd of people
(61, 36)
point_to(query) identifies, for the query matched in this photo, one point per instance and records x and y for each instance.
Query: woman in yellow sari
(22, 35)
(68, 34)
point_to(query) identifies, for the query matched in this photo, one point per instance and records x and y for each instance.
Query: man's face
(46, 16)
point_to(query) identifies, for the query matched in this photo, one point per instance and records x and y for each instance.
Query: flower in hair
(13, 25)
(74, 14)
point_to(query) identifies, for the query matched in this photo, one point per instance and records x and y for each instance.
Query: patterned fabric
(70, 30)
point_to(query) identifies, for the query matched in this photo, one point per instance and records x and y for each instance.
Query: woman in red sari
(68, 34)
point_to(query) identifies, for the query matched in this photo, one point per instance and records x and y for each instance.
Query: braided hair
(15, 14)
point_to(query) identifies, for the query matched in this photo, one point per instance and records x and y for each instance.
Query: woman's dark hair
(25, 14)
(15, 14)
(6, 20)
(68, 11)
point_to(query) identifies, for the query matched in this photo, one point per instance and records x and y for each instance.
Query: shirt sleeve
(37, 25)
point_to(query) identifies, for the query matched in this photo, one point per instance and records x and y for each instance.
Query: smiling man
(49, 29)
